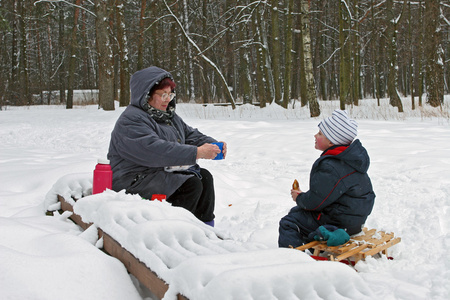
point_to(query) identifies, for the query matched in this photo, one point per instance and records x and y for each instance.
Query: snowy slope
(49, 258)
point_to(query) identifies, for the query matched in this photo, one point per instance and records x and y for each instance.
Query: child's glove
(333, 235)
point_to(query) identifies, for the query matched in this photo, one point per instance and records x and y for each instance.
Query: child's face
(322, 143)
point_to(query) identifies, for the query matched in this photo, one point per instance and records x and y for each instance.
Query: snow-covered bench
(134, 266)
(177, 256)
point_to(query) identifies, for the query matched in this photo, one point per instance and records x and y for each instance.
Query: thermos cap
(103, 161)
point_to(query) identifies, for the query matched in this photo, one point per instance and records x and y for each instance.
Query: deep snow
(46, 257)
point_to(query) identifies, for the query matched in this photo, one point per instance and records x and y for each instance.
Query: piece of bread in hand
(295, 185)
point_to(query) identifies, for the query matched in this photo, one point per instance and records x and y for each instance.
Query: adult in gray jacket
(153, 151)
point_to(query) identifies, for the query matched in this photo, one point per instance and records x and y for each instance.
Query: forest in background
(227, 51)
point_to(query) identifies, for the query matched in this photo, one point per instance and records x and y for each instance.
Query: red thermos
(102, 177)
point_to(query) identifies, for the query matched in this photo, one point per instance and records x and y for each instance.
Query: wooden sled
(369, 243)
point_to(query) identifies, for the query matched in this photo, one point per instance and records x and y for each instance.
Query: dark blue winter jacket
(340, 191)
(141, 146)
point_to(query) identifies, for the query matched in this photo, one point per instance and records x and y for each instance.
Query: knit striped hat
(339, 128)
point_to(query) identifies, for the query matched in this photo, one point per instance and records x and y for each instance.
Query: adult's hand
(224, 151)
(208, 151)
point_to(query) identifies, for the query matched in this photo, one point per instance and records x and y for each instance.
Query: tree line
(227, 51)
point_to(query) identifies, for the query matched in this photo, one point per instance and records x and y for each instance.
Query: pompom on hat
(339, 128)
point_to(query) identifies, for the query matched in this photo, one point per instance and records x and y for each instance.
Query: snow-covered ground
(43, 257)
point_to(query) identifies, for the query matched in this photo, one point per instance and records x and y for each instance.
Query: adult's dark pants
(197, 196)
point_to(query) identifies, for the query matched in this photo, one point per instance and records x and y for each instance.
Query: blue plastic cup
(219, 155)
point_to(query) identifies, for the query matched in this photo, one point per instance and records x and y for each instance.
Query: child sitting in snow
(340, 191)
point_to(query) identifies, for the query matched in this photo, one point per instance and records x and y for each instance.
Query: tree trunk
(104, 53)
(23, 61)
(356, 48)
(375, 54)
(420, 77)
(228, 59)
(275, 52)
(72, 57)
(391, 33)
(175, 53)
(40, 69)
(411, 58)
(269, 95)
(244, 71)
(61, 51)
(140, 43)
(301, 51)
(124, 96)
(115, 51)
(207, 83)
(322, 50)
(261, 80)
(288, 54)
(86, 79)
(295, 86)
(344, 65)
(311, 97)
(434, 54)
(190, 57)
(14, 87)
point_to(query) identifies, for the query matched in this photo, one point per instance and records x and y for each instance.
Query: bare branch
(200, 53)
(68, 3)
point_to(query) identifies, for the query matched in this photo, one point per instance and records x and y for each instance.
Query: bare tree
(355, 52)
(392, 21)
(235, 49)
(124, 72)
(310, 94)
(434, 54)
(276, 50)
(23, 57)
(104, 52)
(140, 43)
(420, 50)
(203, 56)
(288, 54)
(244, 68)
(14, 78)
(262, 73)
(344, 54)
(411, 53)
(72, 56)
(61, 54)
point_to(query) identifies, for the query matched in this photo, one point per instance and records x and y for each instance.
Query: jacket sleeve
(326, 186)
(139, 143)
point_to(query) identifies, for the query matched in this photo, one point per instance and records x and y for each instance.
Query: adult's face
(161, 98)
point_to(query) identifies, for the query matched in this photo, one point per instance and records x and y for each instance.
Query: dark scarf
(161, 116)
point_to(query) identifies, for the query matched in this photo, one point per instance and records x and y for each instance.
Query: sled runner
(360, 246)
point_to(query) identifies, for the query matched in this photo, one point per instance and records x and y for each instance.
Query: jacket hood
(355, 156)
(143, 81)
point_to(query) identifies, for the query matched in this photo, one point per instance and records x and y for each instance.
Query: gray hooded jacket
(140, 147)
